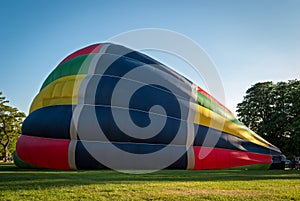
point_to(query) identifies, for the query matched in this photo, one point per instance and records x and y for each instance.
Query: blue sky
(249, 41)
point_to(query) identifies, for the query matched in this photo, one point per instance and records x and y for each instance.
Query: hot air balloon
(107, 106)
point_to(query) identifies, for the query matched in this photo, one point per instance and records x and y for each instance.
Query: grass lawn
(19, 184)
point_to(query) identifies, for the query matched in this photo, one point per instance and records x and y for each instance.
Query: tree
(10, 126)
(272, 110)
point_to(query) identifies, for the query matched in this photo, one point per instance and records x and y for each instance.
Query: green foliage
(10, 127)
(272, 110)
(17, 184)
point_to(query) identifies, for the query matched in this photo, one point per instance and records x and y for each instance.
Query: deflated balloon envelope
(107, 106)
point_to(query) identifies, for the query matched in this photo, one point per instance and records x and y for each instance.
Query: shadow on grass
(13, 178)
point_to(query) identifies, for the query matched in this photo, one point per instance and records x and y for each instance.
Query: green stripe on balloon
(78, 65)
(252, 167)
(208, 103)
(22, 164)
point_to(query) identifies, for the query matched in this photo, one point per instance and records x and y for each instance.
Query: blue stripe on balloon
(54, 122)
(138, 56)
(84, 160)
(49, 122)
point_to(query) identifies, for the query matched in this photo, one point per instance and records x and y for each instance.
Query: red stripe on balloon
(216, 158)
(212, 98)
(87, 50)
(44, 152)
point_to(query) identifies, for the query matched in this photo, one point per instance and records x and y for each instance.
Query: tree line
(272, 110)
(10, 128)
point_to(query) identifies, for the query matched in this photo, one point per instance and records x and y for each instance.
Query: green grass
(19, 184)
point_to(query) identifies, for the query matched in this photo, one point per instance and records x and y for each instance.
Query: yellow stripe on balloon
(211, 119)
(63, 91)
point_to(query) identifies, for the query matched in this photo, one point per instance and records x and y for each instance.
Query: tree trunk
(6, 153)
